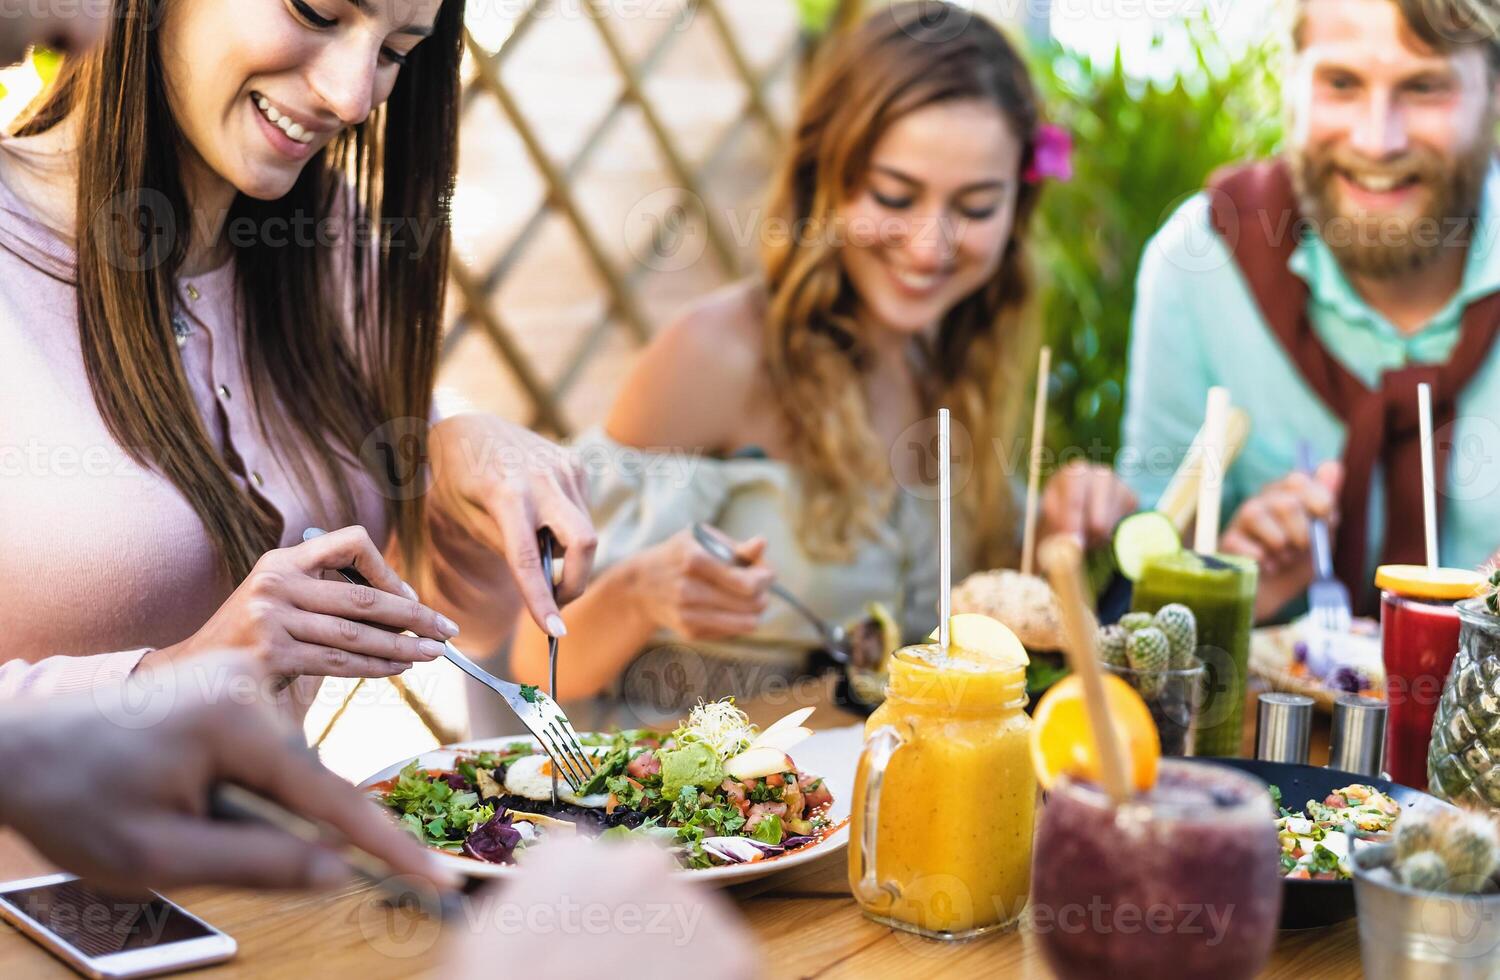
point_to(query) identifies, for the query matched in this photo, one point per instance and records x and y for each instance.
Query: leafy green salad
(715, 790)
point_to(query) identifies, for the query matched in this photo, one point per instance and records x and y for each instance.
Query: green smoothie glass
(1220, 590)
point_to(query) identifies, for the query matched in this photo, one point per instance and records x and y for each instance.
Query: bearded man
(1321, 288)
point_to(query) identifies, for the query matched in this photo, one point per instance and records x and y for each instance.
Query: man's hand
(115, 785)
(1274, 528)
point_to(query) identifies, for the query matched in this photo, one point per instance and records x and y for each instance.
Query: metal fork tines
(1328, 601)
(541, 716)
(538, 712)
(1327, 597)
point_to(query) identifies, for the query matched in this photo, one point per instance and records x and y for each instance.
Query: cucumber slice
(1143, 536)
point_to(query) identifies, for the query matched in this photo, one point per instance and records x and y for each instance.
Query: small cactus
(1131, 622)
(1181, 627)
(1423, 870)
(1112, 640)
(1455, 853)
(1470, 847)
(1492, 590)
(1150, 654)
(1416, 832)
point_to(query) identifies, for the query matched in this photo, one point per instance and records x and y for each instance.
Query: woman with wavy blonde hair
(795, 413)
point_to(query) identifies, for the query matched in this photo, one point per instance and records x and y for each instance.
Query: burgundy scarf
(1255, 211)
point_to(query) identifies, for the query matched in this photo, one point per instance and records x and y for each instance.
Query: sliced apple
(974, 636)
(757, 763)
(784, 740)
(784, 733)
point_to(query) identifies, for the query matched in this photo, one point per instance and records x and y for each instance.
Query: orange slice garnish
(1062, 738)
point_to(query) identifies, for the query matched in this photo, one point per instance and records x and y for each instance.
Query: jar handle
(879, 747)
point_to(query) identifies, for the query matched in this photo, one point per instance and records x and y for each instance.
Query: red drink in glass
(1419, 639)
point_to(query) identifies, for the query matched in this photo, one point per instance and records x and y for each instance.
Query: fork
(835, 638)
(537, 711)
(1327, 597)
(545, 542)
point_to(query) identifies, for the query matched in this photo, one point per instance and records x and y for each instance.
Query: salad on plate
(1316, 842)
(716, 791)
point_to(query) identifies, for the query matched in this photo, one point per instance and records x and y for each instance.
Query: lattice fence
(756, 48)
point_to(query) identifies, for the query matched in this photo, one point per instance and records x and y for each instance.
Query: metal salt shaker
(1283, 728)
(1357, 743)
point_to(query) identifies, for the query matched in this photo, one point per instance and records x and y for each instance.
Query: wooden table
(806, 921)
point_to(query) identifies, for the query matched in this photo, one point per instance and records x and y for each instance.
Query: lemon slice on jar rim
(1421, 582)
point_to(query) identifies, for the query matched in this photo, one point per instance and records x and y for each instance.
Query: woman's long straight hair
(340, 337)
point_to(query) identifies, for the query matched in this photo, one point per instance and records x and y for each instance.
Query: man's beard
(1379, 245)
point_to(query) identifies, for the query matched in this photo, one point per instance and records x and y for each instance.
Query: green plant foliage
(1140, 149)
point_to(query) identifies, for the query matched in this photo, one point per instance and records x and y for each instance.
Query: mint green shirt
(1196, 325)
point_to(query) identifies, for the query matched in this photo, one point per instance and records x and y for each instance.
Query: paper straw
(1180, 500)
(1034, 478)
(1211, 486)
(1429, 478)
(1062, 557)
(945, 530)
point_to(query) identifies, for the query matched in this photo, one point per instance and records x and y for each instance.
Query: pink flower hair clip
(1051, 156)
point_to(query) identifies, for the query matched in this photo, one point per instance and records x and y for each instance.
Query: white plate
(832, 754)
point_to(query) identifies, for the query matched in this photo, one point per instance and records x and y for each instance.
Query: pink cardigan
(102, 560)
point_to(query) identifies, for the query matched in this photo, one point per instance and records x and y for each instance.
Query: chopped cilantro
(528, 693)
(627, 795)
(685, 806)
(764, 793)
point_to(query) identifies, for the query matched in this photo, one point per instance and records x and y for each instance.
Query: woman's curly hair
(902, 59)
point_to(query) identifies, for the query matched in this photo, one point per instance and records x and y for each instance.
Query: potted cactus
(1429, 902)
(1157, 655)
(1463, 758)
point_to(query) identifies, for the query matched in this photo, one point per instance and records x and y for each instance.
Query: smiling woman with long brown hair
(223, 239)
(795, 412)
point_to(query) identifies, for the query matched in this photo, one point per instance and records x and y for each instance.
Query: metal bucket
(1405, 934)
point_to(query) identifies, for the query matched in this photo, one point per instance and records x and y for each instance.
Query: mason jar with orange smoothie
(945, 796)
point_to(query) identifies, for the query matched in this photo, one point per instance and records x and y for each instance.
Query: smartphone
(108, 937)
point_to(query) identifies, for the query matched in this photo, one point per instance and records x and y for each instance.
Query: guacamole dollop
(689, 764)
